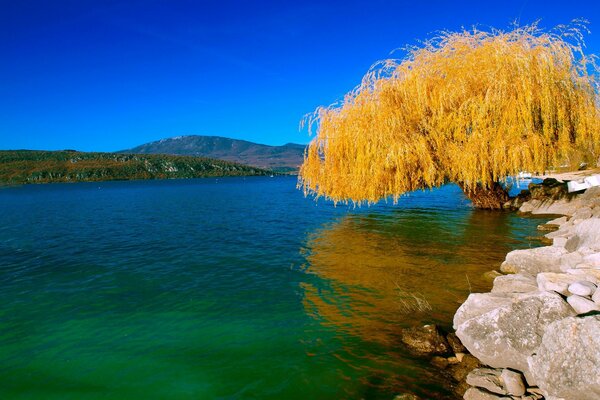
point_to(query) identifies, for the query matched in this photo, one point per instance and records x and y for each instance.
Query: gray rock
(505, 335)
(563, 231)
(478, 394)
(478, 304)
(592, 259)
(574, 371)
(581, 305)
(486, 378)
(585, 274)
(585, 251)
(583, 213)
(534, 261)
(535, 390)
(588, 232)
(573, 243)
(570, 260)
(582, 288)
(560, 240)
(549, 207)
(557, 221)
(591, 193)
(583, 266)
(514, 283)
(557, 282)
(596, 297)
(513, 382)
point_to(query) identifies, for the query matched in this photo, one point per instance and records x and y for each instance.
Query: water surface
(231, 288)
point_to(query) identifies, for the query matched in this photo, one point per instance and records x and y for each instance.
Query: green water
(230, 289)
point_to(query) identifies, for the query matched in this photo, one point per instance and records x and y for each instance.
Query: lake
(231, 288)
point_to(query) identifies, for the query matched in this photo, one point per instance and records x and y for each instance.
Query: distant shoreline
(19, 167)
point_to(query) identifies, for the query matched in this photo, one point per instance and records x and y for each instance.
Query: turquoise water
(230, 288)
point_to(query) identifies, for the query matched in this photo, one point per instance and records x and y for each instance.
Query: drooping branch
(471, 107)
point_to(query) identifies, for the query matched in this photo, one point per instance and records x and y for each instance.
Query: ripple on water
(240, 288)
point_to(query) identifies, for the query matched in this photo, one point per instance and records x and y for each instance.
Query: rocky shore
(537, 333)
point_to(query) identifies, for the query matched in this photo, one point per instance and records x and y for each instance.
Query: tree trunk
(492, 198)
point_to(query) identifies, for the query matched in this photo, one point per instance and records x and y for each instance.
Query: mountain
(31, 166)
(286, 158)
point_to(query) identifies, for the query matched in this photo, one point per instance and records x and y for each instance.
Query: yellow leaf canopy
(471, 107)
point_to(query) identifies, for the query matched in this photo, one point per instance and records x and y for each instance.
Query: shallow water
(231, 288)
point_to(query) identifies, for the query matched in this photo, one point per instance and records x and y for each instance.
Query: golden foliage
(471, 107)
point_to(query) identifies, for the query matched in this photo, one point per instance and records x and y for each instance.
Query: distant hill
(286, 158)
(30, 166)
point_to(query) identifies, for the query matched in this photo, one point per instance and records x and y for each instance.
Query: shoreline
(537, 332)
(570, 176)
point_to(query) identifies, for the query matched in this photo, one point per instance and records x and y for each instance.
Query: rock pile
(445, 351)
(538, 331)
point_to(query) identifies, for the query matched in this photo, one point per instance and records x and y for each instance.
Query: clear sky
(109, 75)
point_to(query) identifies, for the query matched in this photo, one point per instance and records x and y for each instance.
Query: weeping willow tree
(470, 107)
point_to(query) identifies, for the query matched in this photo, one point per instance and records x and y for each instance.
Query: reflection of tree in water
(371, 266)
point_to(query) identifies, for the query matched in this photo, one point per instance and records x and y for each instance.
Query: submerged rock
(407, 396)
(440, 362)
(567, 364)
(548, 227)
(479, 394)
(491, 275)
(426, 340)
(455, 344)
(460, 371)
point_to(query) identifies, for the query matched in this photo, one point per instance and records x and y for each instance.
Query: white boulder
(557, 282)
(514, 283)
(505, 335)
(513, 382)
(581, 305)
(582, 288)
(534, 261)
(567, 363)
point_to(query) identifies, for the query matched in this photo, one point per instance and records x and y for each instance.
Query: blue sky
(109, 75)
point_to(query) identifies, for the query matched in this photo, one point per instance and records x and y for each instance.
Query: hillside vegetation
(29, 166)
(286, 158)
